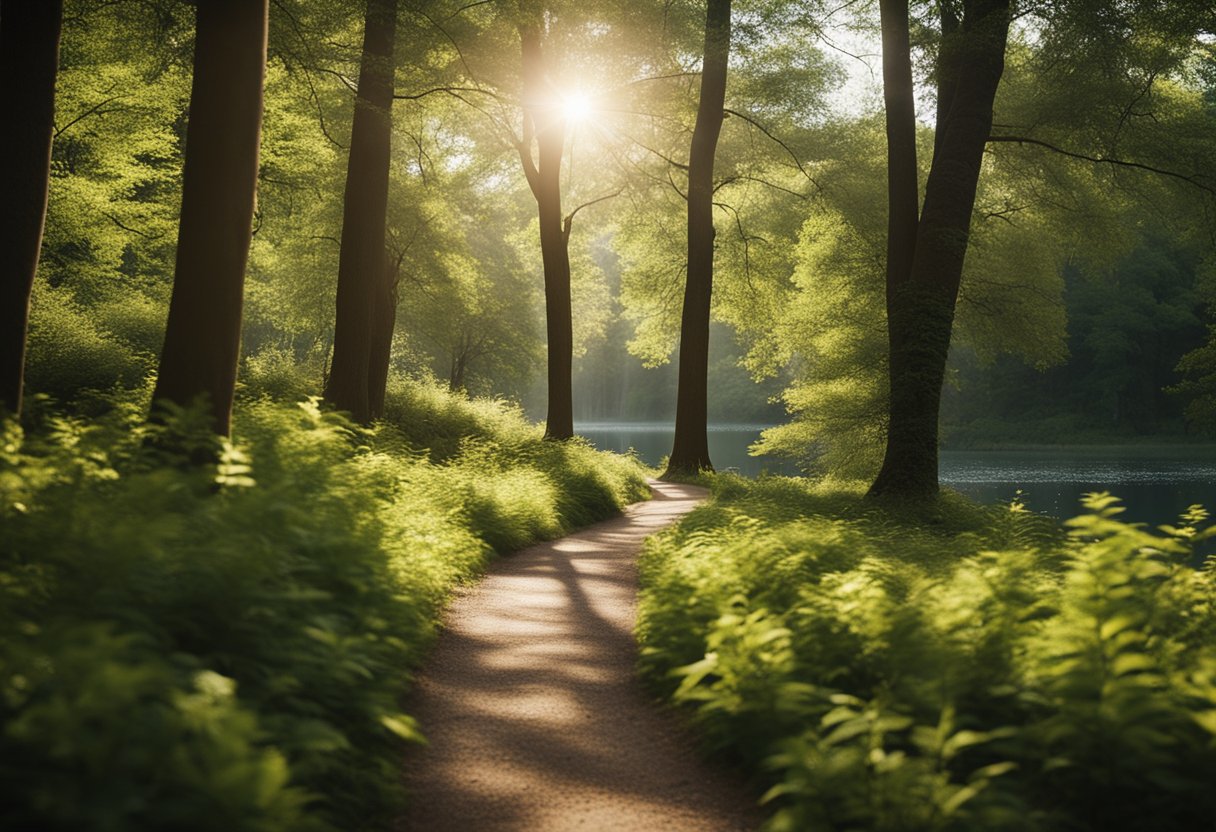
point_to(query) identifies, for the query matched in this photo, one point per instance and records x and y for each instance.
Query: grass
(952, 668)
(225, 647)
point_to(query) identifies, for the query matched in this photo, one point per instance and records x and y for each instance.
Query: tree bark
(921, 315)
(903, 192)
(690, 449)
(29, 61)
(384, 325)
(203, 334)
(361, 260)
(545, 126)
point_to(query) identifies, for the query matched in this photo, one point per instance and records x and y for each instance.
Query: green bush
(964, 669)
(273, 372)
(68, 352)
(226, 647)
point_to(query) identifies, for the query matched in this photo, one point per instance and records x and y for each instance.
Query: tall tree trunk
(690, 450)
(364, 211)
(903, 197)
(921, 314)
(203, 334)
(384, 324)
(545, 126)
(29, 60)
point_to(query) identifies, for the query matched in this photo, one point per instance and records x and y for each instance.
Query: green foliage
(969, 668)
(225, 647)
(69, 352)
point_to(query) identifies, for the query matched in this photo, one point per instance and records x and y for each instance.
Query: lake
(1157, 482)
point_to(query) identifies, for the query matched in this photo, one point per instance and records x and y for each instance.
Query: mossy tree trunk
(29, 61)
(203, 334)
(361, 261)
(921, 307)
(690, 449)
(544, 127)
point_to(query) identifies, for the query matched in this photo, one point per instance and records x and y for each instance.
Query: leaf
(403, 726)
(1126, 663)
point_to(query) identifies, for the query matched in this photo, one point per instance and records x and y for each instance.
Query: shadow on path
(535, 718)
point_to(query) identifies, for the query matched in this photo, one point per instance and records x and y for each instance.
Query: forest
(310, 311)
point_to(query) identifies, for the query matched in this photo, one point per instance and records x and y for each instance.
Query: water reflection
(1156, 483)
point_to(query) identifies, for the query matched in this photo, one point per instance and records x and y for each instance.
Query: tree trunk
(690, 450)
(459, 366)
(544, 124)
(384, 325)
(365, 207)
(903, 193)
(29, 60)
(921, 314)
(203, 334)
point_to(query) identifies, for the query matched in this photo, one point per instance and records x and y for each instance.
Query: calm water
(728, 444)
(1156, 482)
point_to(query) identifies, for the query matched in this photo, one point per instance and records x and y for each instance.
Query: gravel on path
(535, 717)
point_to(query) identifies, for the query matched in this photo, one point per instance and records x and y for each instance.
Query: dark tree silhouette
(29, 59)
(544, 125)
(384, 324)
(921, 298)
(690, 450)
(361, 263)
(202, 338)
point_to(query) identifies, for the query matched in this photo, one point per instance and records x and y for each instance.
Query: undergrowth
(960, 668)
(225, 647)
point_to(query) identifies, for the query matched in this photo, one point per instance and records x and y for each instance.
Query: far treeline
(358, 189)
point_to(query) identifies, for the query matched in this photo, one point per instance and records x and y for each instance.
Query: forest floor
(533, 710)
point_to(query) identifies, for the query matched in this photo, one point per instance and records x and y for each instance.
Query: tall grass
(225, 648)
(960, 669)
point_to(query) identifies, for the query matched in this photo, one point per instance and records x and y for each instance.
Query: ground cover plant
(951, 668)
(225, 647)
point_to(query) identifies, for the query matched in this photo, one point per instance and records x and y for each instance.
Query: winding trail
(535, 718)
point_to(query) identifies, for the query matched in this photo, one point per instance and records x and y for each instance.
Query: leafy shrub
(965, 670)
(68, 352)
(273, 372)
(225, 647)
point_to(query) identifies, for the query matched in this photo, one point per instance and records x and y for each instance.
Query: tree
(690, 449)
(544, 126)
(366, 283)
(29, 59)
(922, 294)
(202, 337)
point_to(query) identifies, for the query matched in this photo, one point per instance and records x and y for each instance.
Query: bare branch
(1106, 160)
(450, 91)
(346, 82)
(468, 6)
(143, 234)
(96, 109)
(566, 223)
(784, 146)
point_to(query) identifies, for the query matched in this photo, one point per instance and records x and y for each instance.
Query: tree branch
(96, 109)
(569, 220)
(1106, 160)
(450, 91)
(784, 146)
(118, 222)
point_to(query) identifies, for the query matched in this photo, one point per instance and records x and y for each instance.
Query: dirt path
(535, 718)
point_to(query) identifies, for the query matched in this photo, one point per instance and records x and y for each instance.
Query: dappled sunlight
(533, 712)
